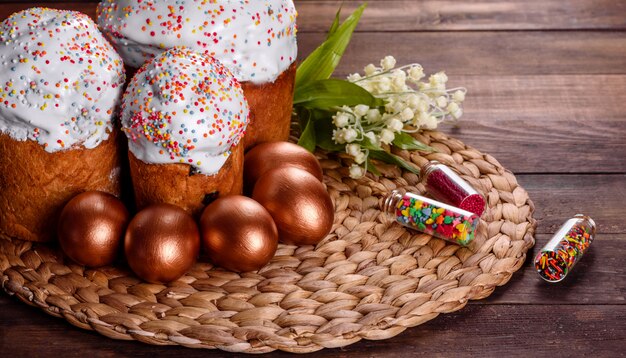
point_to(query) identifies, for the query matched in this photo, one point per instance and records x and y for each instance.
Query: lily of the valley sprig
(367, 114)
(410, 104)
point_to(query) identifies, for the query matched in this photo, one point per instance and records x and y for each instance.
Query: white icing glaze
(184, 107)
(60, 79)
(256, 39)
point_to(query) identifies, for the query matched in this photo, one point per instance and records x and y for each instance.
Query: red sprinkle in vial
(443, 184)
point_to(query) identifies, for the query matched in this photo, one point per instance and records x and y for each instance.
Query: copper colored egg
(162, 243)
(91, 227)
(299, 204)
(238, 233)
(266, 156)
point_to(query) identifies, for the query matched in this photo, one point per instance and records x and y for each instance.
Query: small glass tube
(443, 184)
(557, 258)
(431, 217)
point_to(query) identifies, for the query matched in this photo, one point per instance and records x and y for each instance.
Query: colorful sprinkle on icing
(184, 107)
(256, 39)
(60, 79)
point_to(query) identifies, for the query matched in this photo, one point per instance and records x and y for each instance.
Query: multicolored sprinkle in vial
(432, 217)
(567, 246)
(445, 185)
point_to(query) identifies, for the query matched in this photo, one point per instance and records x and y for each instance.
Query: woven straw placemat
(368, 279)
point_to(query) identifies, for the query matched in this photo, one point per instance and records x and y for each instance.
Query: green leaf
(324, 135)
(367, 144)
(393, 159)
(307, 138)
(321, 63)
(302, 115)
(327, 93)
(335, 25)
(372, 168)
(406, 141)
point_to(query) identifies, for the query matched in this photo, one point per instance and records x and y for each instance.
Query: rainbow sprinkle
(256, 39)
(60, 80)
(562, 252)
(184, 107)
(435, 218)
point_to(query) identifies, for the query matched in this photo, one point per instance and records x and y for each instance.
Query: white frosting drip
(184, 107)
(60, 79)
(256, 39)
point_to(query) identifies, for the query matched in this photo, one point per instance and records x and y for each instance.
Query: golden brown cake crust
(173, 184)
(270, 109)
(35, 185)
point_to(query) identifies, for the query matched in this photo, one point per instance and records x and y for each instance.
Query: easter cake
(184, 115)
(60, 85)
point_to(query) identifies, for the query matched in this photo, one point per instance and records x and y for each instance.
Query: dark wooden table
(547, 98)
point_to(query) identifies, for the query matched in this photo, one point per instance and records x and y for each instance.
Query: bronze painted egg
(162, 243)
(91, 228)
(266, 156)
(238, 233)
(299, 204)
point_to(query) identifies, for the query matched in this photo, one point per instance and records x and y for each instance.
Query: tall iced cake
(60, 84)
(184, 115)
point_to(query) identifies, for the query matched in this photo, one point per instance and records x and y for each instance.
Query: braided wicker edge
(368, 279)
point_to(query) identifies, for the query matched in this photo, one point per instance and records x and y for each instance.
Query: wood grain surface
(546, 97)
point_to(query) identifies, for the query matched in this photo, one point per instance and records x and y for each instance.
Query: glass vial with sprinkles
(431, 217)
(567, 246)
(443, 184)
